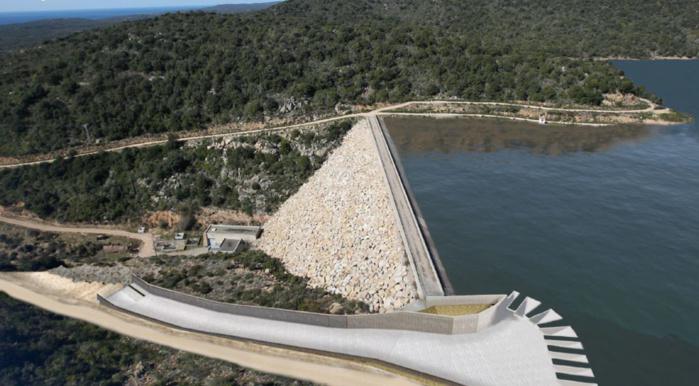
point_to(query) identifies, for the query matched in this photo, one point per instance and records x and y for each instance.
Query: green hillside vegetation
(565, 28)
(302, 57)
(24, 35)
(253, 174)
(41, 348)
(239, 8)
(24, 249)
(248, 277)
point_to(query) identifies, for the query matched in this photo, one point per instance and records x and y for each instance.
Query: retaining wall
(400, 320)
(447, 287)
(316, 319)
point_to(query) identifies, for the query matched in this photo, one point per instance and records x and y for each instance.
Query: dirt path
(299, 365)
(651, 106)
(383, 110)
(147, 248)
(473, 115)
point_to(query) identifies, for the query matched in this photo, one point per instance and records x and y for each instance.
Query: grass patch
(456, 310)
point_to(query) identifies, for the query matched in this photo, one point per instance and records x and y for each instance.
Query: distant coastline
(9, 18)
(90, 14)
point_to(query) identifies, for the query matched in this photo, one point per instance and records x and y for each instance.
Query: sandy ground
(78, 300)
(147, 249)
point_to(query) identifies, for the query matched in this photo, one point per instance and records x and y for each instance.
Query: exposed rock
(92, 273)
(336, 308)
(340, 231)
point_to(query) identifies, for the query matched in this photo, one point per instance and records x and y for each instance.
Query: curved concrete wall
(316, 319)
(401, 320)
(511, 352)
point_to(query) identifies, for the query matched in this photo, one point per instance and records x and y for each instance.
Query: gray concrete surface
(429, 243)
(429, 282)
(510, 352)
(401, 320)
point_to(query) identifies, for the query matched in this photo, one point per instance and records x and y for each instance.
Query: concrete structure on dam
(431, 275)
(471, 340)
(497, 346)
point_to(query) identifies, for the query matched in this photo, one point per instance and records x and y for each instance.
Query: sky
(57, 5)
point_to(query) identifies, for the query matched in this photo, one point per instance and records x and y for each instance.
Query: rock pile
(339, 230)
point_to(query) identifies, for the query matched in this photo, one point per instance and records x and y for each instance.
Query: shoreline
(8, 162)
(653, 59)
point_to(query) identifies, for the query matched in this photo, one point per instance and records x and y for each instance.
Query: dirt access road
(383, 110)
(147, 247)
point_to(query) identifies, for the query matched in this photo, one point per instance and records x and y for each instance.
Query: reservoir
(601, 224)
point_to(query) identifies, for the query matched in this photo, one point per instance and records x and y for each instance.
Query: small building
(141, 229)
(179, 236)
(215, 234)
(230, 238)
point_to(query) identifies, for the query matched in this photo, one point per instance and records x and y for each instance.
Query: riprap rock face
(340, 230)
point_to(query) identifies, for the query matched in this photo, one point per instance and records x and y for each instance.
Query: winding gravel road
(146, 250)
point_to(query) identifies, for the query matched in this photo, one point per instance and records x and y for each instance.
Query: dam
(473, 339)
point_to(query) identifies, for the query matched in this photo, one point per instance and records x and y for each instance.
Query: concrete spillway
(510, 352)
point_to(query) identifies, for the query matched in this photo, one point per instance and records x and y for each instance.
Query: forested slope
(24, 35)
(40, 348)
(189, 71)
(574, 28)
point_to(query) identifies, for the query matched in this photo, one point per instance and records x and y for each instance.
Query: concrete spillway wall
(401, 320)
(504, 346)
(435, 259)
(431, 276)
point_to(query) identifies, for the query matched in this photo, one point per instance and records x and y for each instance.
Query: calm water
(93, 14)
(601, 224)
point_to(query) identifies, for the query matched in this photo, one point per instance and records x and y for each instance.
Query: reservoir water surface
(602, 224)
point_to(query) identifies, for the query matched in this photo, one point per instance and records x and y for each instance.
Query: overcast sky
(55, 5)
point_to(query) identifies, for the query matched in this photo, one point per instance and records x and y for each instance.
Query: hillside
(25, 35)
(41, 348)
(303, 57)
(239, 8)
(573, 28)
(254, 174)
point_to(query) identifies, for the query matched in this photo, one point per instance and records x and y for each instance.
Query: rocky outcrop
(340, 230)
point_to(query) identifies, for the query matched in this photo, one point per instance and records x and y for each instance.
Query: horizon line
(248, 2)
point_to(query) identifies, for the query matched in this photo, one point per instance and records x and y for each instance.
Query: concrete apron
(510, 350)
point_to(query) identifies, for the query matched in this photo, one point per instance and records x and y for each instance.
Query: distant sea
(93, 14)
